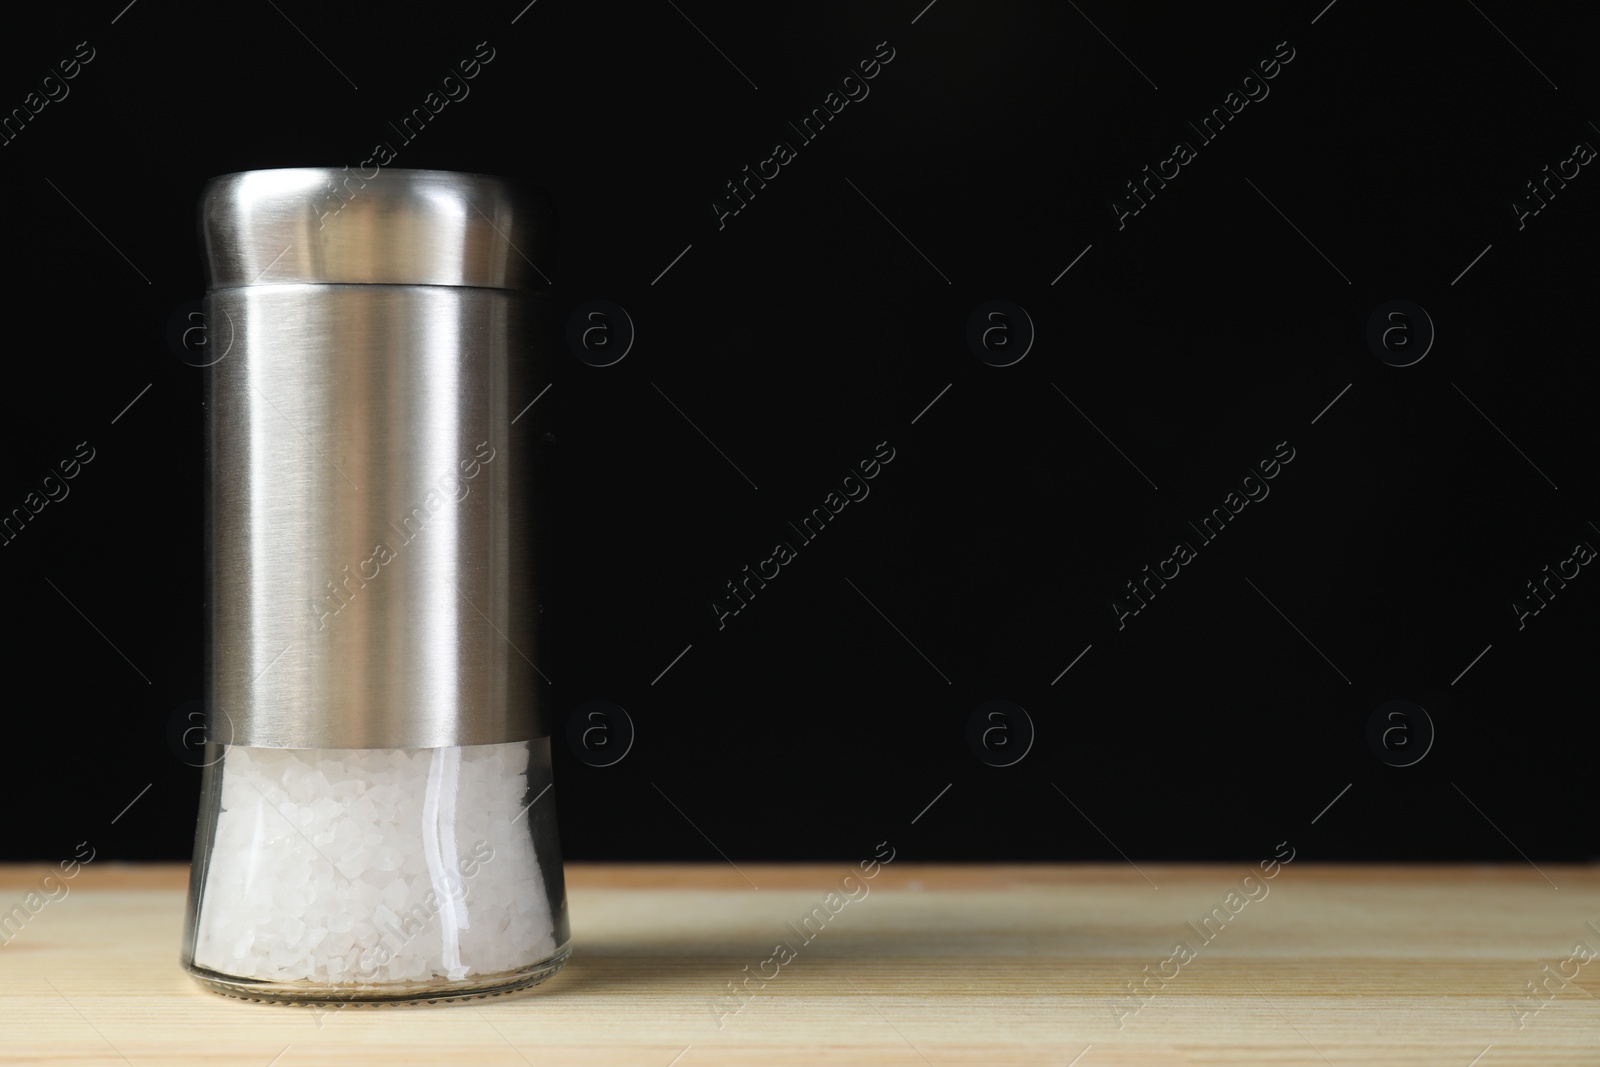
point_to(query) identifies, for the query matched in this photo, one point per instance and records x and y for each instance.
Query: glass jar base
(434, 991)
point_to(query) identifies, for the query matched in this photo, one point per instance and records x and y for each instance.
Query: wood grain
(933, 966)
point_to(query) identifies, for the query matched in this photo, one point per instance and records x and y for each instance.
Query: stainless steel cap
(370, 502)
(382, 226)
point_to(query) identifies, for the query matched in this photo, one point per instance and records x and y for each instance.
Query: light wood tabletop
(1449, 966)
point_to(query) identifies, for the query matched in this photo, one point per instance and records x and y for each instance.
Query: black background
(823, 319)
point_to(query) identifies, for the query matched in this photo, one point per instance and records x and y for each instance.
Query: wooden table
(934, 966)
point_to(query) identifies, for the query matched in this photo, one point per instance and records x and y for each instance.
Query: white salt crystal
(323, 863)
(394, 895)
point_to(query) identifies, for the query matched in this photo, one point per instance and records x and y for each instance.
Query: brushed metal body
(370, 527)
(398, 227)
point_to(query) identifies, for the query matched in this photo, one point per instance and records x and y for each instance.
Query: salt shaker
(376, 821)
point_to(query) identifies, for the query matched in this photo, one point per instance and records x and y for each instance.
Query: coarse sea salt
(373, 867)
